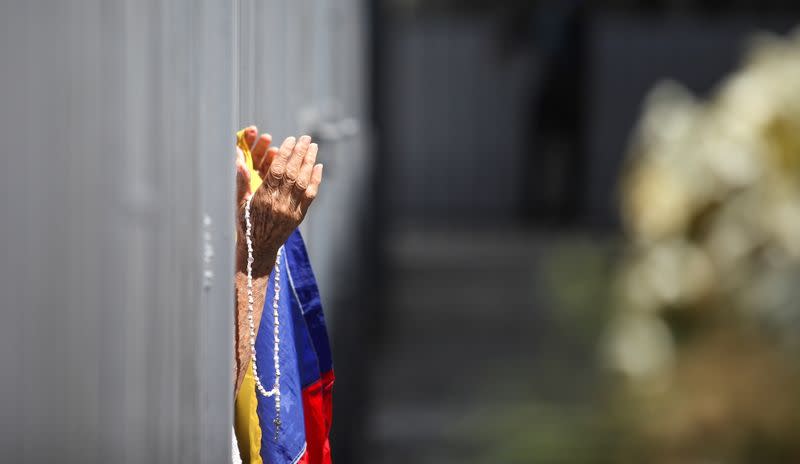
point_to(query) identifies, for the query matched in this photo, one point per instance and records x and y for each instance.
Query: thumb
(243, 191)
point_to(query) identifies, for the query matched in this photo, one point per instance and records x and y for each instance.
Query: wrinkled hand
(291, 181)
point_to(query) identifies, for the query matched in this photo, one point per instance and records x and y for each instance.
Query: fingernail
(315, 146)
(305, 138)
(290, 140)
(268, 135)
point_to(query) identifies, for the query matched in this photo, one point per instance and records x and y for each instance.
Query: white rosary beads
(276, 389)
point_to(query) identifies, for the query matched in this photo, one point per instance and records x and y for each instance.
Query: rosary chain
(276, 389)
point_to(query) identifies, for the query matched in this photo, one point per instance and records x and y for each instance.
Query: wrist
(263, 259)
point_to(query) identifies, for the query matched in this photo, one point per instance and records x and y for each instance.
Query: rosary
(276, 389)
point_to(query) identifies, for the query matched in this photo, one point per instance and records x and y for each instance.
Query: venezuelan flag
(306, 369)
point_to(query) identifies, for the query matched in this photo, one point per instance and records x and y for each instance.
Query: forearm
(243, 348)
(277, 207)
(264, 256)
(263, 262)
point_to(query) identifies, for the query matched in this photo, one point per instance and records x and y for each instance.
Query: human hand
(291, 182)
(262, 155)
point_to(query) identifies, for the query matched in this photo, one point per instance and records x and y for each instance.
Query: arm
(291, 182)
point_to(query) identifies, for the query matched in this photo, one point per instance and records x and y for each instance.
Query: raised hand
(291, 182)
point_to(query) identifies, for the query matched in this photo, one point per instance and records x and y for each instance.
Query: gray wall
(454, 123)
(302, 70)
(116, 122)
(116, 140)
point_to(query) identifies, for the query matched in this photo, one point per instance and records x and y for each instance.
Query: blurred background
(587, 238)
(554, 231)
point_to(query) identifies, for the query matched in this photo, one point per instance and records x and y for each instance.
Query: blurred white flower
(641, 347)
(658, 203)
(711, 203)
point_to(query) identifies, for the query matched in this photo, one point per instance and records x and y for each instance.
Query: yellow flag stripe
(255, 179)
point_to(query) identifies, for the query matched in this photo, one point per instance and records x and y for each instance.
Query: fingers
(241, 166)
(296, 160)
(293, 165)
(242, 178)
(259, 150)
(313, 185)
(304, 177)
(277, 169)
(250, 135)
(263, 169)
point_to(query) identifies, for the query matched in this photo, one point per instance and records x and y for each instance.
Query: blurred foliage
(707, 328)
(548, 433)
(577, 278)
(565, 414)
(698, 309)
